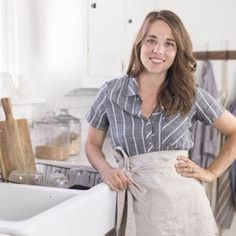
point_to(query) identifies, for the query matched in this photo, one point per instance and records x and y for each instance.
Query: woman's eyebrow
(171, 40)
(152, 36)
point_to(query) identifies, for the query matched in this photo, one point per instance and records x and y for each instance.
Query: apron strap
(125, 219)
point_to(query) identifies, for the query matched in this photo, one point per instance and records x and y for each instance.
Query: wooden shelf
(215, 55)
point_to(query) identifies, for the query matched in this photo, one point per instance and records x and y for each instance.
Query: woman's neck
(150, 84)
(149, 91)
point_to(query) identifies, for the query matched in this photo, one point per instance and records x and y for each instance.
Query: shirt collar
(132, 87)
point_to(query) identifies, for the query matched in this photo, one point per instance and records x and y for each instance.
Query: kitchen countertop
(81, 159)
(72, 161)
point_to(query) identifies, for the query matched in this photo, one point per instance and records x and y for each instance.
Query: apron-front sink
(21, 202)
(27, 210)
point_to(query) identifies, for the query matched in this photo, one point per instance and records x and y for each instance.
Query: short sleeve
(97, 116)
(208, 109)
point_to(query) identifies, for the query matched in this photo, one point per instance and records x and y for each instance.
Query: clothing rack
(215, 55)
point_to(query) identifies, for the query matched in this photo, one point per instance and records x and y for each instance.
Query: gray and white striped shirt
(118, 107)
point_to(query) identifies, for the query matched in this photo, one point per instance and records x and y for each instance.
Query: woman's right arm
(113, 177)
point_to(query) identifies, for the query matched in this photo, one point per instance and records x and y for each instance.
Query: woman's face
(158, 49)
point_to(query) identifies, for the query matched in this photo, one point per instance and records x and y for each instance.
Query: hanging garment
(160, 201)
(207, 143)
(206, 138)
(232, 109)
(224, 207)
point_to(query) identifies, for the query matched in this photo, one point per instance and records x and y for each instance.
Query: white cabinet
(110, 29)
(104, 41)
(135, 14)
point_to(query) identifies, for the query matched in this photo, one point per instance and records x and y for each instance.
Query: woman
(149, 113)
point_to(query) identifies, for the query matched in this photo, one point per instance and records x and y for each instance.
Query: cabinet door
(105, 41)
(135, 14)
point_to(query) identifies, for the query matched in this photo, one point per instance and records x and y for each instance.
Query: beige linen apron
(161, 202)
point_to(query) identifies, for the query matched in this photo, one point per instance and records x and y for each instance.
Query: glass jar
(51, 138)
(74, 130)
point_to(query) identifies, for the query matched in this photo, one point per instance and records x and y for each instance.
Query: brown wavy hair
(178, 90)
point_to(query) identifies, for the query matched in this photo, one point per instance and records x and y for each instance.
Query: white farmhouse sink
(21, 202)
(42, 211)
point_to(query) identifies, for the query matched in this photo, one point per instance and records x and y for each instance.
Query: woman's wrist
(211, 175)
(104, 168)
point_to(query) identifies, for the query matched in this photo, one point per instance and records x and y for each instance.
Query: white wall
(59, 46)
(43, 40)
(50, 36)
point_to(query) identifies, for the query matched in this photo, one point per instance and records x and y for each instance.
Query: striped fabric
(224, 205)
(117, 107)
(224, 209)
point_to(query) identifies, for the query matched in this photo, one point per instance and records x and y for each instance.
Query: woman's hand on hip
(190, 169)
(116, 179)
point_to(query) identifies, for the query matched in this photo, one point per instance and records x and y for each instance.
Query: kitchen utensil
(18, 176)
(26, 177)
(58, 180)
(35, 178)
(16, 151)
(79, 175)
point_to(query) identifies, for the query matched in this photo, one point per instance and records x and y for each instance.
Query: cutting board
(16, 151)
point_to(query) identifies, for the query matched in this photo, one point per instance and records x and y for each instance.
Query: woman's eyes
(151, 41)
(169, 44)
(155, 42)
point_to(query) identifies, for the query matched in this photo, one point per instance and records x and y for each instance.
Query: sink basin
(35, 211)
(21, 202)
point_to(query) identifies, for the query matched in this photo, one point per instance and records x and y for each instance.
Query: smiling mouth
(156, 60)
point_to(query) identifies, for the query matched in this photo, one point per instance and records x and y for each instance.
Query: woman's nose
(159, 49)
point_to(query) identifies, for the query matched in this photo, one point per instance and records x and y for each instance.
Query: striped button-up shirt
(117, 107)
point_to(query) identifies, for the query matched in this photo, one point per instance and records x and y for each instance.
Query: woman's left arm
(226, 124)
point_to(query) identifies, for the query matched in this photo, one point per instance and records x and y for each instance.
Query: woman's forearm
(226, 157)
(97, 158)
(113, 177)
